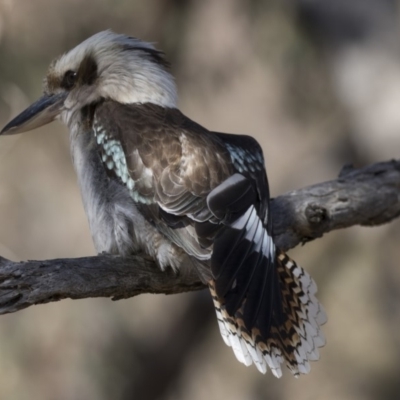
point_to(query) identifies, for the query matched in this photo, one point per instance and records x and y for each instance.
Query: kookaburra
(154, 181)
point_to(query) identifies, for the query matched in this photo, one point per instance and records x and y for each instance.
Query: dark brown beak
(41, 112)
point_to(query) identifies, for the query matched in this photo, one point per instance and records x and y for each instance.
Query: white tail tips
(294, 342)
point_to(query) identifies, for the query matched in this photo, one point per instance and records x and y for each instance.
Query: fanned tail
(294, 342)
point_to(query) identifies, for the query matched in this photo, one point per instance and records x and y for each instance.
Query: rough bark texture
(368, 196)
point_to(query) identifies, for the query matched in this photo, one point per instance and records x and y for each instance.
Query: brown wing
(171, 166)
(207, 192)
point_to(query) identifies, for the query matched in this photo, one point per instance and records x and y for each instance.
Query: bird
(154, 181)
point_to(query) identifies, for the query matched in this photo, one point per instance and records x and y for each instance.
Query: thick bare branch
(23, 284)
(367, 196)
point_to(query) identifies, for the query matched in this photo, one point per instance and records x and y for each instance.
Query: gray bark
(368, 196)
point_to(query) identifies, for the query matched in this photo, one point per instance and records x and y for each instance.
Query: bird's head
(105, 66)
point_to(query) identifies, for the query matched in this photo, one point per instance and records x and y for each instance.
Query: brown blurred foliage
(318, 84)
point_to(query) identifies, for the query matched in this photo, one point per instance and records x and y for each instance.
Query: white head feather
(128, 71)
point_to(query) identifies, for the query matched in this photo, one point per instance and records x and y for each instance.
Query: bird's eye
(69, 80)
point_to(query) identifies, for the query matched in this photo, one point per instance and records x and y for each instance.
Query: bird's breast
(107, 204)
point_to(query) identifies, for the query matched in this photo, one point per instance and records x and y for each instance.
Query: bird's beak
(41, 112)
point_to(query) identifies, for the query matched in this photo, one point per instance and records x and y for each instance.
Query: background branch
(367, 196)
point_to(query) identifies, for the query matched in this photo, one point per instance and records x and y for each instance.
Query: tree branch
(367, 196)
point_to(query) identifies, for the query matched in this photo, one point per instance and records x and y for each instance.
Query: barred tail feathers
(295, 342)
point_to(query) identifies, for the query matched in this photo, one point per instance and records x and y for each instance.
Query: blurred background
(317, 82)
